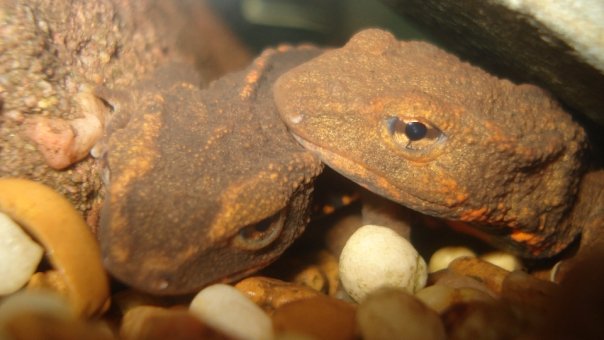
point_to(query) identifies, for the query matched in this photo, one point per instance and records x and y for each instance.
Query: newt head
(201, 186)
(417, 125)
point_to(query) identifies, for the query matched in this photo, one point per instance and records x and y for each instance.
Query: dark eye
(413, 134)
(261, 234)
(415, 130)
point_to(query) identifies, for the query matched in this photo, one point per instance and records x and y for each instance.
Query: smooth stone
(229, 311)
(489, 274)
(502, 259)
(149, 322)
(319, 317)
(440, 298)
(270, 293)
(391, 313)
(445, 255)
(375, 257)
(19, 255)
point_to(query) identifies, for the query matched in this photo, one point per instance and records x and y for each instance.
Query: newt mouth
(369, 179)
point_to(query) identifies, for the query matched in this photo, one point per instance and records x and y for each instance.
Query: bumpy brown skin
(191, 173)
(504, 158)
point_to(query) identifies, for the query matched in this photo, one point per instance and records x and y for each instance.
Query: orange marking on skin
(527, 238)
(251, 79)
(473, 215)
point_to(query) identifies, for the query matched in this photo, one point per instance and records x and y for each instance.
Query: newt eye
(413, 134)
(261, 234)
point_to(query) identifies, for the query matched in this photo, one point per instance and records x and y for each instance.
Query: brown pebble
(448, 278)
(482, 320)
(270, 294)
(391, 313)
(440, 298)
(149, 322)
(40, 325)
(320, 317)
(491, 275)
(529, 292)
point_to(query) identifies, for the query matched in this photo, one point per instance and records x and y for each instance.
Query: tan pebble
(443, 256)
(19, 256)
(71, 248)
(321, 275)
(375, 257)
(391, 313)
(320, 317)
(312, 277)
(440, 298)
(229, 311)
(328, 264)
(317, 270)
(45, 315)
(489, 274)
(148, 322)
(293, 336)
(272, 293)
(502, 259)
(127, 299)
(529, 292)
(38, 301)
(455, 280)
(483, 320)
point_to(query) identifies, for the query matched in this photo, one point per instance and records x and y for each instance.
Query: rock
(391, 313)
(376, 256)
(502, 259)
(489, 274)
(45, 315)
(483, 320)
(455, 280)
(19, 256)
(558, 45)
(72, 250)
(229, 311)
(319, 317)
(148, 322)
(529, 292)
(443, 256)
(270, 294)
(441, 298)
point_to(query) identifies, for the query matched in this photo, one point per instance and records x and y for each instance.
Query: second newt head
(202, 185)
(417, 125)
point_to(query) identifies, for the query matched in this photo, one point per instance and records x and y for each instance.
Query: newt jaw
(367, 179)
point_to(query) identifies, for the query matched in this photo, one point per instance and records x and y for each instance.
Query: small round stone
(440, 298)
(320, 317)
(270, 293)
(391, 313)
(19, 256)
(150, 322)
(443, 256)
(502, 259)
(375, 257)
(229, 311)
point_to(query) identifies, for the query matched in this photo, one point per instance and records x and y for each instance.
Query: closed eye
(261, 234)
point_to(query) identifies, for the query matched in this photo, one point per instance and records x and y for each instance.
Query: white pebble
(226, 309)
(445, 255)
(502, 259)
(19, 256)
(375, 257)
(34, 302)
